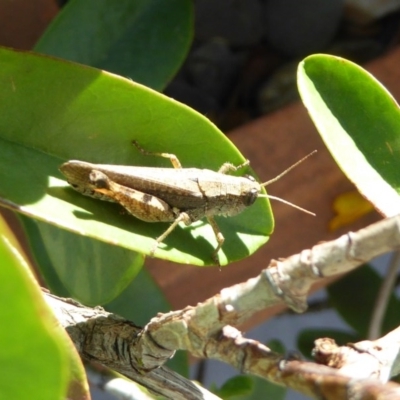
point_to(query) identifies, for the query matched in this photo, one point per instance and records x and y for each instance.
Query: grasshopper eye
(99, 179)
(251, 197)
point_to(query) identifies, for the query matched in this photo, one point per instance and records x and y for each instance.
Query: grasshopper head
(252, 191)
(78, 174)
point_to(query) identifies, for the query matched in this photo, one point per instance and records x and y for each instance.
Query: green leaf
(88, 270)
(133, 303)
(76, 112)
(246, 387)
(354, 298)
(262, 389)
(359, 122)
(239, 385)
(276, 345)
(307, 337)
(33, 357)
(145, 40)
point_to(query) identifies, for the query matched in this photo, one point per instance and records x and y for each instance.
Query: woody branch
(205, 330)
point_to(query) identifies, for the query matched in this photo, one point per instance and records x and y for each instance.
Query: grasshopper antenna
(279, 177)
(288, 169)
(288, 203)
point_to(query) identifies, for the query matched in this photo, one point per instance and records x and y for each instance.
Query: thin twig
(382, 300)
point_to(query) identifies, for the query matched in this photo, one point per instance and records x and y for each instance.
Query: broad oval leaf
(33, 357)
(76, 112)
(359, 122)
(145, 40)
(88, 270)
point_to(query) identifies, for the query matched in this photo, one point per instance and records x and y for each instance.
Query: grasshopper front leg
(219, 236)
(141, 205)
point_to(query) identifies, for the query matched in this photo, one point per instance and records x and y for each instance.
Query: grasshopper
(171, 194)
